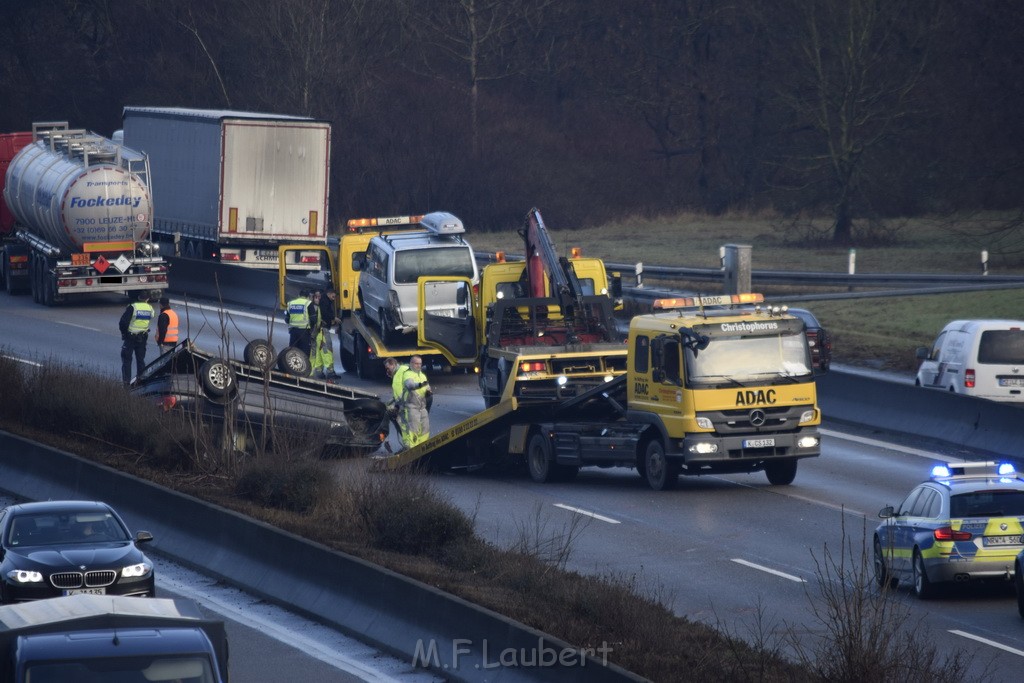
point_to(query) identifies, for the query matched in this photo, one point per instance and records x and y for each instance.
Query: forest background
(858, 110)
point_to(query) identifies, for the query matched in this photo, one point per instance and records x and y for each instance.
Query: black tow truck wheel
(661, 473)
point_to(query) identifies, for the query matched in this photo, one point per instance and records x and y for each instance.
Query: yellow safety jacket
(142, 315)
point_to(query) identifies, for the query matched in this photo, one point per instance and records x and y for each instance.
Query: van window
(1001, 347)
(445, 261)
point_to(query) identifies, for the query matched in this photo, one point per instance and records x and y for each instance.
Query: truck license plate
(266, 255)
(86, 591)
(758, 443)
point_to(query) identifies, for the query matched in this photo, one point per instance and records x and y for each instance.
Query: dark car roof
(59, 506)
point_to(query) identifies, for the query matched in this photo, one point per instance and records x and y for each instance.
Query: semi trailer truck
(231, 186)
(78, 212)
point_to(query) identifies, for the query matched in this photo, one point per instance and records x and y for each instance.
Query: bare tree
(855, 69)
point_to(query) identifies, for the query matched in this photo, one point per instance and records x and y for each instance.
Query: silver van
(393, 263)
(983, 358)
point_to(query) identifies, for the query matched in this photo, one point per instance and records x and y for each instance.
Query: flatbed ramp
(482, 439)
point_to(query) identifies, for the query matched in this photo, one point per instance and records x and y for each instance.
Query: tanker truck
(78, 213)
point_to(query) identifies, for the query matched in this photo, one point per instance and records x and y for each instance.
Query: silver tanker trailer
(79, 216)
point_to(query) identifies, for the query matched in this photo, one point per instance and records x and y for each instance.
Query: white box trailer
(231, 185)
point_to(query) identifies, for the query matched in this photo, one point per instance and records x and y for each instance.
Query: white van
(983, 358)
(389, 270)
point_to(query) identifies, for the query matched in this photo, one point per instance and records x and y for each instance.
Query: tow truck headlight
(705, 423)
(807, 442)
(561, 380)
(806, 416)
(24, 576)
(135, 570)
(704, 447)
(609, 378)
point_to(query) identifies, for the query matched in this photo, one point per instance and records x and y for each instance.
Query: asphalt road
(720, 549)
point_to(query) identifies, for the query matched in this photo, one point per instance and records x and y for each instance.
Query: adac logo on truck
(752, 397)
(100, 200)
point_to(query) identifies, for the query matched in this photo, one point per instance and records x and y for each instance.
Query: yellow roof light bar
(355, 224)
(704, 301)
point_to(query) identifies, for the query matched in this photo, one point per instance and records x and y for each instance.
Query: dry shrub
(296, 486)
(403, 513)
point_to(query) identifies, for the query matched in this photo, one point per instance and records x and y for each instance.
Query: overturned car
(264, 405)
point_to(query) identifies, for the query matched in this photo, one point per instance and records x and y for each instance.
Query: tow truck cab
(730, 390)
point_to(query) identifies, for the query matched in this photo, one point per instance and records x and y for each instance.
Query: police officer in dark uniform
(134, 326)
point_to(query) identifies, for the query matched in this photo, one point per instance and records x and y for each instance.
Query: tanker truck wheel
(33, 278)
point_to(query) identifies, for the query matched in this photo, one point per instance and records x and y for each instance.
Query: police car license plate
(86, 591)
(1011, 381)
(1003, 540)
(758, 443)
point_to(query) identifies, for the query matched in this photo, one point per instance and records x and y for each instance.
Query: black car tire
(293, 361)
(218, 378)
(923, 588)
(260, 353)
(661, 473)
(539, 462)
(882, 576)
(781, 473)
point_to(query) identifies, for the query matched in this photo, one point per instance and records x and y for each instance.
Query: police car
(963, 524)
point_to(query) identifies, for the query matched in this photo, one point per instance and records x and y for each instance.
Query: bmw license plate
(1003, 540)
(86, 591)
(1011, 381)
(759, 443)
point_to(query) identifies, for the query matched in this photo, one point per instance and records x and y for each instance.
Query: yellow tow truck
(710, 385)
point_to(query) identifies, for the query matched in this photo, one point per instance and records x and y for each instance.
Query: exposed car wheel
(1018, 583)
(293, 361)
(218, 378)
(882, 576)
(259, 353)
(539, 461)
(388, 334)
(923, 588)
(781, 473)
(661, 474)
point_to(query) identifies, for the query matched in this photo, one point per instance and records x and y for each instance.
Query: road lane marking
(22, 360)
(986, 641)
(580, 511)
(931, 455)
(81, 327)
(770, 571)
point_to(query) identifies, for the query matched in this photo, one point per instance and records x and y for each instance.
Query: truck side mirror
(615, 285)
(358, 261)
(924, 353)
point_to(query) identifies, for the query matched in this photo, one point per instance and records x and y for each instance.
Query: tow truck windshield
(748, 359)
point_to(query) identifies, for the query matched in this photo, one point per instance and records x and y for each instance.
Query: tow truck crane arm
(542, 260)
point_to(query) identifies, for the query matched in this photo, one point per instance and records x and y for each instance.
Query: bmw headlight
(133, 571)
(24, 576)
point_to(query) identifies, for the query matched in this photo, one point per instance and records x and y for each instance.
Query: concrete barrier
(407, 618)
(985, 428)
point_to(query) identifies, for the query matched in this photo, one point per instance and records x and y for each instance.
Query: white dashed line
(770, 571)
(579, 511)
(986, 641)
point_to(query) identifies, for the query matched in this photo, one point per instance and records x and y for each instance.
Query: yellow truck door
(451, 330)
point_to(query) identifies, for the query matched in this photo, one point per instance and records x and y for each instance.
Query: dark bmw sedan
(64, 547)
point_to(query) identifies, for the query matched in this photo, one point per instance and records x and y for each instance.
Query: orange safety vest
(171, 336)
